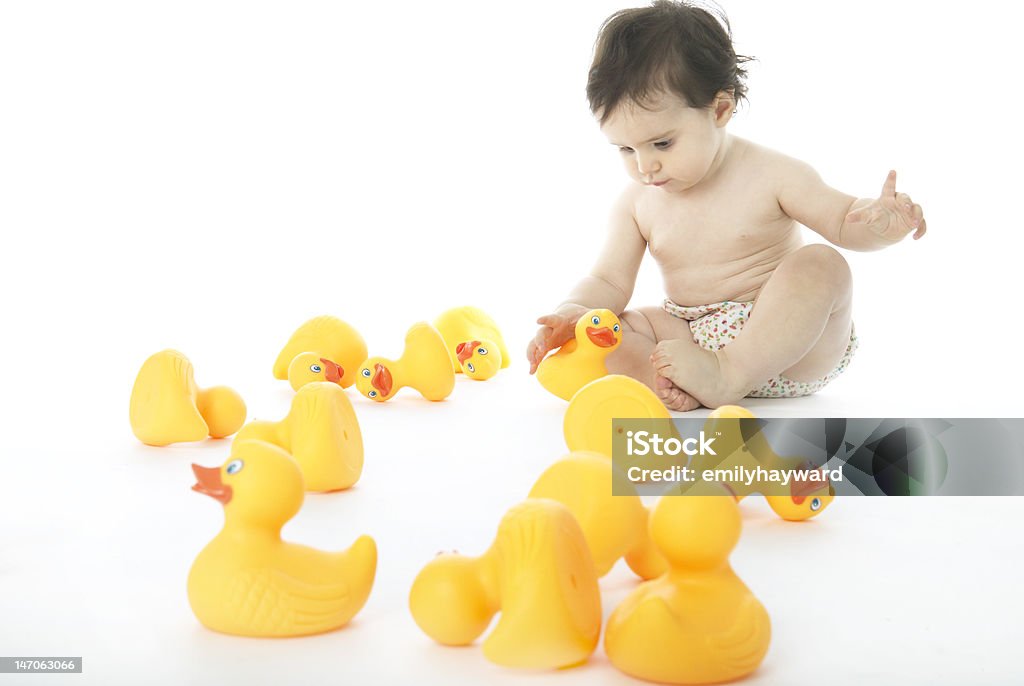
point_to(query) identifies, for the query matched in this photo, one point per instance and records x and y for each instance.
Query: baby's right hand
(556, 330)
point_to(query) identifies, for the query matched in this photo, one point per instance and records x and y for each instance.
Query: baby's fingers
(922, 227)
(889, 187)
(551, 320)
(535, 351)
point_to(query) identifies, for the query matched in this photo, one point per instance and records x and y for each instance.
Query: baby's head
(664, 83)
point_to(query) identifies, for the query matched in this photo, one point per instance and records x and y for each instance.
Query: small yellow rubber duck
(167, 407)
(323, 349)
(321, 432)
(473, 341)
(806, 497)
(538, 573)
(581, 360)
(699, 623)
(605, 504)
(249, 582)
(424, 365)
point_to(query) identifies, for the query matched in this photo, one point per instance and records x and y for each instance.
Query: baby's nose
(647, 166)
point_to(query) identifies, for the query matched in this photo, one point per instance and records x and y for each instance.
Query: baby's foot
(697, 370)
(675, 398)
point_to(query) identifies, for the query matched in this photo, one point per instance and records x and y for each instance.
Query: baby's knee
(822, 264)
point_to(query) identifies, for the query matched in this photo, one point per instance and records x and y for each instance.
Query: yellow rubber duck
(323, 349)
(538, 574)
(168, 407)
(249, 582)
(607, 508)
(473, 341)
(581, 360)
(321, 432)
(699, 623)
(595, 414)
(805, 498)
(599, 408)
(424, 365)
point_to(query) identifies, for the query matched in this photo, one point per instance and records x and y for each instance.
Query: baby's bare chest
(721, 246)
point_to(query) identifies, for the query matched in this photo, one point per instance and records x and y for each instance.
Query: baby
(750, 310)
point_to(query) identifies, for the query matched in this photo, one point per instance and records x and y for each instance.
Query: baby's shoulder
(762, 160)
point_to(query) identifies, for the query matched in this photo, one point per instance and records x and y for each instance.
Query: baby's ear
(724, 107)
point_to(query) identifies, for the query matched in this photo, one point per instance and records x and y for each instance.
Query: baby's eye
(663, 145)
(624, 150)
(366, 373)
(482, 351)
(315, 369)
(595, 320)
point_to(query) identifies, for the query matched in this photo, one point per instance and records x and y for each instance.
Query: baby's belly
(704, 284)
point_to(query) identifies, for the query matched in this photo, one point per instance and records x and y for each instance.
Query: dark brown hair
(672, 46)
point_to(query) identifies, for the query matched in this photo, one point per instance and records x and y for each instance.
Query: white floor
(99, 535)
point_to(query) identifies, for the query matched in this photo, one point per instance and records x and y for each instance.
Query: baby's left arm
(855, 224)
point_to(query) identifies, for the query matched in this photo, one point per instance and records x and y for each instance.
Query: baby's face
(667, 143)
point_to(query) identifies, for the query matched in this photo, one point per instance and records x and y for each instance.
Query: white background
(208, 175)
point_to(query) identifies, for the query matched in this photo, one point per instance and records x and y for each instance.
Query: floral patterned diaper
(715, 326)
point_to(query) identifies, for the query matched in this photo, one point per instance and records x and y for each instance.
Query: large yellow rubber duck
(321, 432)
(611, 515)
(803, 499)
(323, 349)
(599, 409)
(249, 582)
(424, 365)
(581, 360)
(473, 341)
(597, 412)
(699, 623)
(168, 407)
(538, 574)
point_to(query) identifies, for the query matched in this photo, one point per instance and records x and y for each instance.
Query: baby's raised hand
(556, 330)
(892, 216)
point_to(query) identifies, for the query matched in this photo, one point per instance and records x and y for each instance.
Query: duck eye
(366, 373)
(615, 328)
(815, 504)
(482, 351)
(595, 320)
(372, 394)
(315, 369)
(235, 466)
(470, 367)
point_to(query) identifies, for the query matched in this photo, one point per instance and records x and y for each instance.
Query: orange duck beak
(800, 490)
(332, 371)
(602, 338)
(382, 380)
(209, 483)
(464, 351)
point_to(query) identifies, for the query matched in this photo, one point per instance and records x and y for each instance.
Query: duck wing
(740, 649)
(275, 603)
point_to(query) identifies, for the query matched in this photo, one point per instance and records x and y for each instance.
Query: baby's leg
(641, 330)
(799, 327)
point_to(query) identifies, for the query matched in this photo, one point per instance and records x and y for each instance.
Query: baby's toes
(679, 401)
